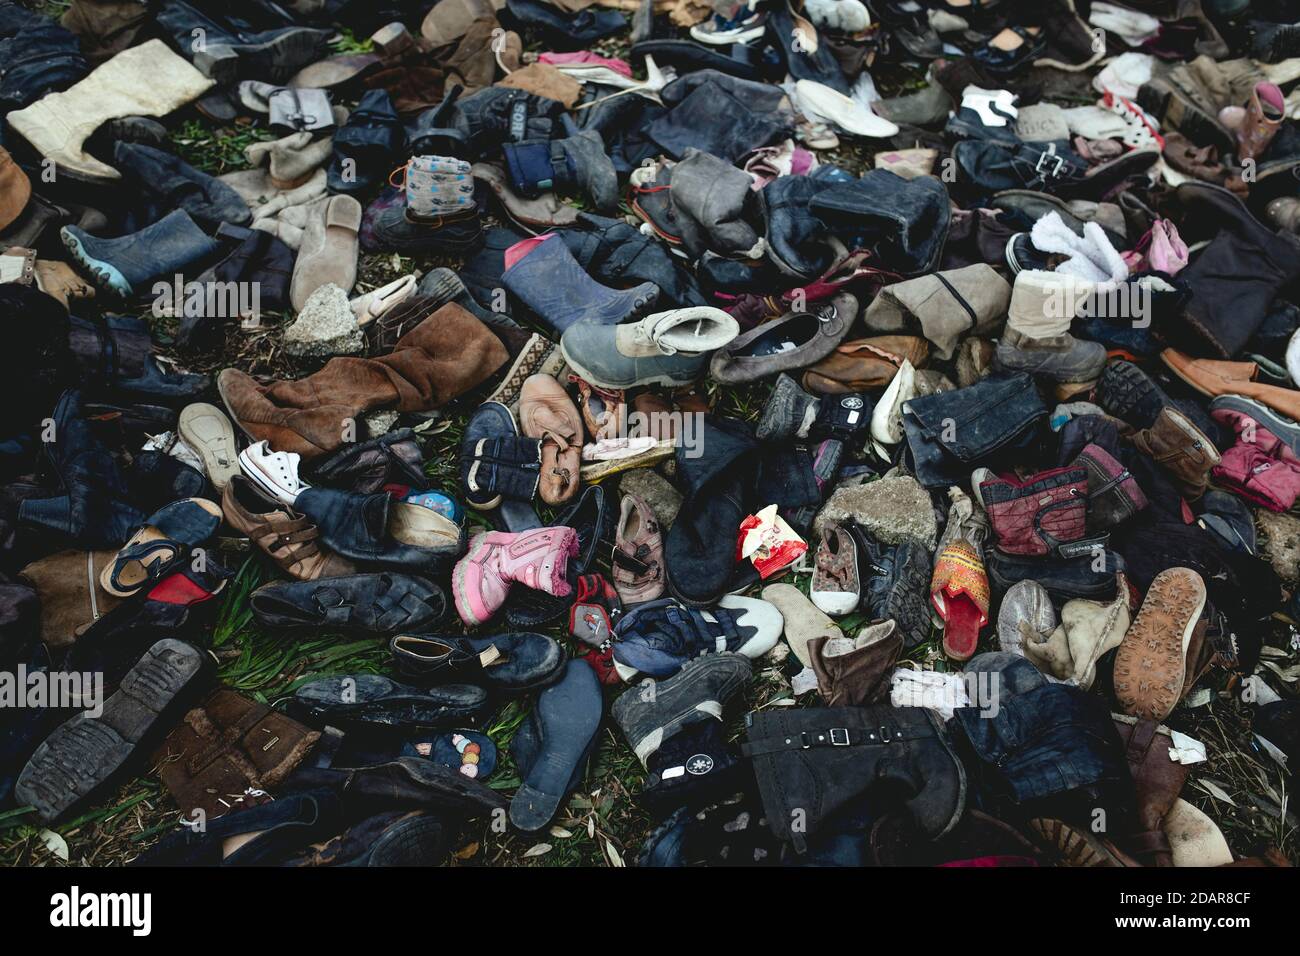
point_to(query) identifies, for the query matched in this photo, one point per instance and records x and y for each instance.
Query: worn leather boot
(854, 671)
(234, 50)
(145, 80)
(1265, 112)
(1158, 781)
(225, 745)
(446, 355)
(1182, 449)
(40, 57)
(547, 413)
(811, 762)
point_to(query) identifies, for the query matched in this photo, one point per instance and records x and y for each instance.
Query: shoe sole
(1281, 426)
(107, 277)
(562, 755)
(1072, 846)
(214, 443)
(380, 703)
(910, 600)
(86, 753)
(1151, 663)
(598, 470)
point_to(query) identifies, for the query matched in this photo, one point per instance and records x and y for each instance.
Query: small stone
(379, 423)
(325, 327)
(1279, 542)
(664, 500)
(890, 509)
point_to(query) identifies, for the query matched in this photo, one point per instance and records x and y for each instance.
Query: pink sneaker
(539, 559)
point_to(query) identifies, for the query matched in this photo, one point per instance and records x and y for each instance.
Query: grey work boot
(1062, 359)
(666, 348)
(653, 711)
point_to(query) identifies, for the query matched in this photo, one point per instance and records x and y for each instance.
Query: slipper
(959, 591)
(207, 430)
(165, 538)
(552, 747)
(85, 754)
(471, 753)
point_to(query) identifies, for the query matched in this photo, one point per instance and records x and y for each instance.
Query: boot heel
(220, 63)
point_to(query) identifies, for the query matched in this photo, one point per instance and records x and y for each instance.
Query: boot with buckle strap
(811, 762)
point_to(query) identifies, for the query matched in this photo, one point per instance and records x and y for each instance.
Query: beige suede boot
(145, 80)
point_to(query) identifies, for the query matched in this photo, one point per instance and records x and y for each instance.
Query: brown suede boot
(442, 358)
(1158, 781)
(225, 746)
(71, 598)
(1182, 449)
(853, 672)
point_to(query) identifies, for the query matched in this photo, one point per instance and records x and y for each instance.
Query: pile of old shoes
(935, 394)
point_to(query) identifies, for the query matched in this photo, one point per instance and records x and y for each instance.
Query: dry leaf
(1214, 790)
(55, 844)
(540, 849)
(467, 852)
(611, 854)
(591, 828)
(561, 833)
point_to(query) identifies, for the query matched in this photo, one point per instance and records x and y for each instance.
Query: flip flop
(207, 430)
(552, 747)
(166, 537)
(86, 753)
(959, 592)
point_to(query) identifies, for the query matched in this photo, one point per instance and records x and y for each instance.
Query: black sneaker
(898, 588)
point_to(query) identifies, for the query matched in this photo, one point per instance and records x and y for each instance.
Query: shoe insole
(209, 433)
(123, 577)
(961, 630)
(550, 753)
(1009, 39)
(784, 338)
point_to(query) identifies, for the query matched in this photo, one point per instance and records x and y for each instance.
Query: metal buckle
(839, 736)
(1050, 154)
(885, 736)
(805, 741)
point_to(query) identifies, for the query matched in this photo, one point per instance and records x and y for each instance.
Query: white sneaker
(820, 102)
(274, 472)
(747, 27)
